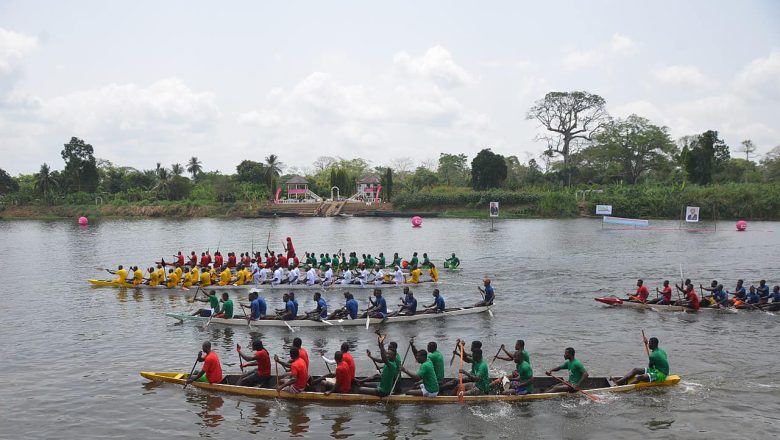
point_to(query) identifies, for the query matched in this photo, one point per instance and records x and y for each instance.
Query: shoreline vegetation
(591, 158)
(752, 201)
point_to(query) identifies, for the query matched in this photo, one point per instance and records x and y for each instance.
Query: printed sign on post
(692, 214)
(494, 209)
(603, 209)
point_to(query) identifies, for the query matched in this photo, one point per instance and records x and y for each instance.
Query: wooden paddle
(496, 356)
(461, 389)
(576, 388)
(248, 316)
(644, 339)
(193, 369)
(403, 361)
(240, 364)
(457, 344)
(276, 366)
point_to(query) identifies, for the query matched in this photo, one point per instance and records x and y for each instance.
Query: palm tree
(45, 182)
(163, 182)
(273, 167)
(177, 169)
(194, 167)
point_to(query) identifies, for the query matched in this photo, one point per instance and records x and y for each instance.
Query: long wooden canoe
(262, 287)
(270, 322)
(614, 301)
(594, 385)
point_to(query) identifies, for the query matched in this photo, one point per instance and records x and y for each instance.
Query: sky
(149, 81)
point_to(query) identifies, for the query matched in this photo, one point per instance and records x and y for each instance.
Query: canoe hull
(335, 322)
(261, 287)
(271, 393)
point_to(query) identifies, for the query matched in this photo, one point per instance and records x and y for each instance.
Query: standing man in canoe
(577, 374)
(390, 371)
(262, 376)
(657, 367)
(296, 380)
(489, 295)
(429, 385)
(212, 370)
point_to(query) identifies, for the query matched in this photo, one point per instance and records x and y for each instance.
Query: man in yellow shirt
(224, 276)
(188, 278)
(415, 276)
(160, 273)
(138, 276)
(434, 272)
(205, 279)
(121, 274)
(178, 272)
(154, 278)
(173, 279)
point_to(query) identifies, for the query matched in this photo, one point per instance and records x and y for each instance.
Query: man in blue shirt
(257, 306)
(378, 308)
(721, 296)
(739, 291)
(295, 302)
(763, 289)
(408, 304)
(438, 303)
(488, 294)
(288, 312)
(321, 312)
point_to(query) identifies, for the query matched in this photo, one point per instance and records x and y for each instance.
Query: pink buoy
(83, 221)
(741, 225)
(416, 221)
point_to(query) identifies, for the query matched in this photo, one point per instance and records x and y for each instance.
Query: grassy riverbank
(732, 201)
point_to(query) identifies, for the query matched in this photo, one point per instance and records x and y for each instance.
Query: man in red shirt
(350, 361)
(666, 295)
(260, 357)
(343, 376)
(212, 370)
(298, 376)
(289, 248)
(231, 260)
(204, 261)
(302, 353)
(218, 260)
(180, 259)
(641, 292)
(193, 259)
(690, 294)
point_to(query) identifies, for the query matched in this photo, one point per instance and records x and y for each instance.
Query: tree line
(584, 145)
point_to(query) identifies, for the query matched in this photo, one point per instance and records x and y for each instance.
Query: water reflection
(210, 405)
(340, 426)
(298, 420)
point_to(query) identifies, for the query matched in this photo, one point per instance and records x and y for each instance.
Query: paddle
(461, 389)
(682, 281)
(496, 356)
(193, 369)
(248, 316)
(457, 344)
(403, 361)
(240, 364)
(644, 339)
(213, 312)
(576, 388)
(276, 366)
(483, 299)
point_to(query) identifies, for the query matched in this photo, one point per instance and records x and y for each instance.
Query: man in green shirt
(521, 381)
(426, 263)
(389, 357)
(577, 374)
(476, 382)
(657, 367)
(519, 346)
(227, 307)
(452, 262)
(436, 359)
(382, 263)
(414, 262)
(426, 376)
(213, 304)
(396, 261)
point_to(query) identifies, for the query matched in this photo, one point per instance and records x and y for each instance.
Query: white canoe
(241, 321)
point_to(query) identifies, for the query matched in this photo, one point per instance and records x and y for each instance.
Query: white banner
(692, 214)
(603, 209)
(494, 209)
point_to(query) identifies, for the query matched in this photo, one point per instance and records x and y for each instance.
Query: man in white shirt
(399, 276)
(254, 269)
(379, 277)
(311, 277)
(262, 276)
(278, 274)
(293, 276)
(363, 277)
(347, 277)
(328, 276)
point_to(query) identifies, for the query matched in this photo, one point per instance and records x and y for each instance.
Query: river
(71, 353)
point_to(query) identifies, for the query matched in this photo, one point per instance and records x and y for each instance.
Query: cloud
(684, 76)
(13, 47)
(618, 45)
(760, 80)
(436, 65)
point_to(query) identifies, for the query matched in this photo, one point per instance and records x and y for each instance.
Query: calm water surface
(71, 353)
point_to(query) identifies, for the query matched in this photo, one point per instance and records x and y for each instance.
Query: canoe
(613, 301)
(241, 321)
(263, 287)
(594, 385)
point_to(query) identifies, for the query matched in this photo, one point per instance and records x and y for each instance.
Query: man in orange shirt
(298, 376)
(212, 370)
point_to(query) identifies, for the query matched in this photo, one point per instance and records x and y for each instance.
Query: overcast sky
(148, 82)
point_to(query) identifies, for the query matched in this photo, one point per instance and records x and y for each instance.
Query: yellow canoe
(602, 385)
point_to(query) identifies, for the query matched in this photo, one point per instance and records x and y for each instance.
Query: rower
(351, 305)
(467, 356)
(379, 275)
(138, 276)
(521, 380)
(227, 307)
(193, 259)
(775, 297)
(295, 306)
(257, 305)
(739, 291)
(254, 271)
(452, 263)
(288, 312)
(414, 262)
(278, 275)
(399, 276)
(348, 359)
(213, 303)
(415, 275)
(408, 304)
(434, 355)
(262, 275)
(231, 260)
(666, 295)
(438, 305)
(379, 309)
(204, 260)
(218, 260)
(240, 276)
(577, 374)
(173, 279)
(260, 377)
(381, 262)
(721, 297)
(328, 277)
(154, 279)
(186, 281)
(353, 260)
(433, 271)
(708, 300)
(321, 312)
(477, 381)
(195, 275)
(311, 276)
(763, 290)
(343, 382)
(363, 276)
(121, 274)
(489, 295)
(641, 293)
(179, 258)
(691, 299)
(389, 373)
(396, 261)
(294, 275)
(347, 277)
(212, 370)
(657, 367)
(160, 273)
(224, 276)
(519, 347)
(298, 376)
(426, 262)
(752, 296)
(205, 278)
(429, 385)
